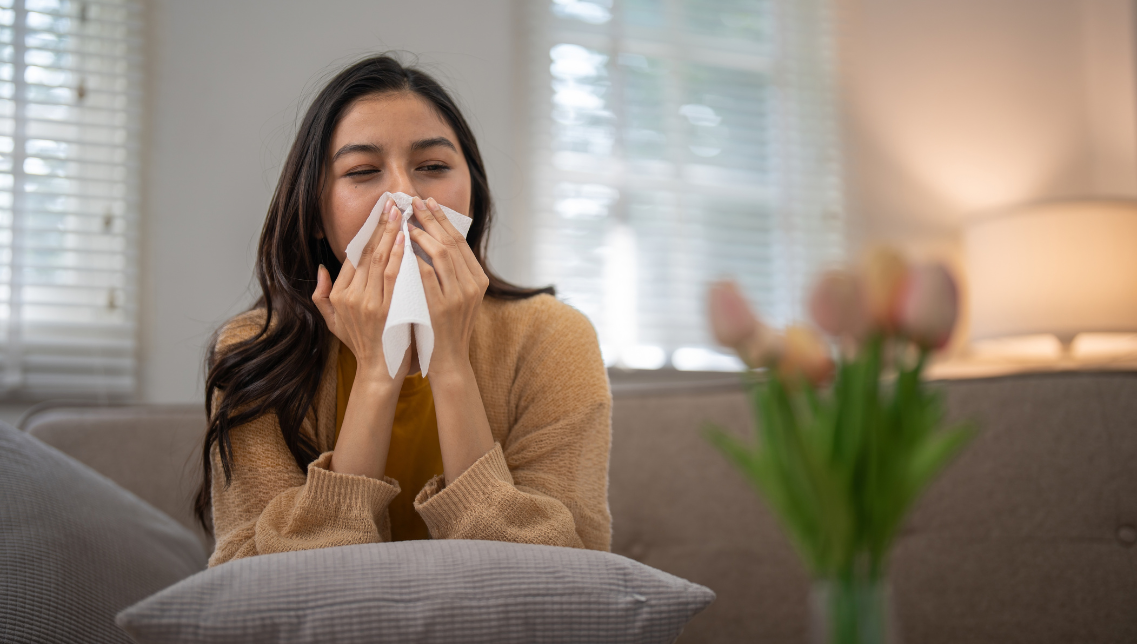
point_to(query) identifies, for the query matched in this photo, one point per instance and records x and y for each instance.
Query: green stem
(921, 362)
(857, 607)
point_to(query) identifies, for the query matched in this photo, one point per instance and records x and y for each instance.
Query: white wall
(950, 108)
(956, 108)
(226, 81)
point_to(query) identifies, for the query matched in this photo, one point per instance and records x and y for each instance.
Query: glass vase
(852, 610)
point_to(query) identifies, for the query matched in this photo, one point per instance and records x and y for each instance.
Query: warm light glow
(1024, 347)
(1059, 268)
(1104, 346)
(967, 136)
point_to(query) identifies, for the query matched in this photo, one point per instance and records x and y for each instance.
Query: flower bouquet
(847, 434)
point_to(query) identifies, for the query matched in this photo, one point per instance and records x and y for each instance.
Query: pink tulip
(805, 356)
(928, 306)
(883, 274)
(732, 321)
(734, 325)
(838, 306)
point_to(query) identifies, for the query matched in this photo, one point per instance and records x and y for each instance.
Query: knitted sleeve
(547, 481)
(270, 505)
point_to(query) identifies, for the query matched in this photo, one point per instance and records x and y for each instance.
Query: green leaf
(841, 467)
(933, 454)
(770, 483)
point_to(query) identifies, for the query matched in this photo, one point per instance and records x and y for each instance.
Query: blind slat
(674, 142)
(70, 95)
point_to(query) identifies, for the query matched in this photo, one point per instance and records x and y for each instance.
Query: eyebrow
(430, 143)
(371, 148)
(350, 148)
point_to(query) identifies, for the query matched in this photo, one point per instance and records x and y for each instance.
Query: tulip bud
(805, 355)
(763, 348)
(732, 321)
(883, 273)
(837, 305)
(928, 306)
(735, 325)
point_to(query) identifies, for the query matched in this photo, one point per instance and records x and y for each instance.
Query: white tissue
(408, 301)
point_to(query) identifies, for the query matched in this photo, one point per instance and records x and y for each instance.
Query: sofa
(1030, 536)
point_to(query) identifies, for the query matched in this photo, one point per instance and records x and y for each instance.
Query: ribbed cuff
(340, 490)
(443, 507)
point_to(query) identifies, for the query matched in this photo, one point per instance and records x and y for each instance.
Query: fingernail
(393, 214)
(419, 205)
(399, 238)
(432, 204)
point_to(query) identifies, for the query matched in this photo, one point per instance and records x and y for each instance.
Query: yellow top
(414, 457)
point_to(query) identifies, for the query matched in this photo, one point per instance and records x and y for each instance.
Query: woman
(311, 443)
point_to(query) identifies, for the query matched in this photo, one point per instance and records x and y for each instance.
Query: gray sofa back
(1028, 537)
(151, 450)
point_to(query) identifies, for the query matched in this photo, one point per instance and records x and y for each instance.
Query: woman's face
(389, 143)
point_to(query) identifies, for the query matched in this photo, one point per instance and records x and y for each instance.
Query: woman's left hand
(454, 287)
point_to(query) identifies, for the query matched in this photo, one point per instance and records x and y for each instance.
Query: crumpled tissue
(408, 301)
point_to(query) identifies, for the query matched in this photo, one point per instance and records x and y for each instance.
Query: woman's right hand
(355, 308)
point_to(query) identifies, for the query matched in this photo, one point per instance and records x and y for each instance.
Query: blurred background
(636, 149)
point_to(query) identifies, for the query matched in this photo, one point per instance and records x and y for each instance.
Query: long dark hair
(278, 369)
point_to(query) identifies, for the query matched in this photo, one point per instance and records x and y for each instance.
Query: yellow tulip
(883, 273)
(805, 355)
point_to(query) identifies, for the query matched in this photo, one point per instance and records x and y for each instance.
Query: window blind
(70, 76)
(675, 142)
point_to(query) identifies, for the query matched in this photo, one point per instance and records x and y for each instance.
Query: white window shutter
(675, 142)
(70, 107)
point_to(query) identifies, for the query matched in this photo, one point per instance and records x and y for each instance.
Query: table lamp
(1059, 273)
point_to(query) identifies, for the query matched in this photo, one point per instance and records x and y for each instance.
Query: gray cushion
(422, 591)
(75, 548)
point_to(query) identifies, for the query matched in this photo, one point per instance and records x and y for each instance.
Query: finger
(378, 247)
(382, 257)
(372, 252)
(431, 224)
(321, 297)
(440, 255)
(343, 280)
(430, 286)
(428, 219)
(392, 271)
(467, 268)
(463, 247)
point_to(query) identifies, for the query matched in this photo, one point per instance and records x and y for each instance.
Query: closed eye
(435, 167)
(361, 172)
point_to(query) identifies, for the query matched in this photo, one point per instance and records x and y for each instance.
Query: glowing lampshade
(1057, 268)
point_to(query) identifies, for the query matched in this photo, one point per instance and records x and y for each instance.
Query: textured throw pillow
(422, 591)
(75, 549)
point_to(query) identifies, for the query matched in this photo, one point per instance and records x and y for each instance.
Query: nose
(401, 181)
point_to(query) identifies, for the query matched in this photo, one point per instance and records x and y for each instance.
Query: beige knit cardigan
(546, 395)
